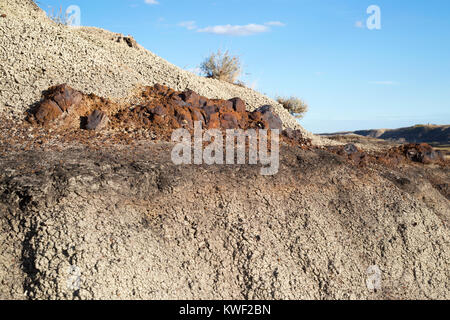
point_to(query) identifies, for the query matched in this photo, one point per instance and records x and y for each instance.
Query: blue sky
(319, 50)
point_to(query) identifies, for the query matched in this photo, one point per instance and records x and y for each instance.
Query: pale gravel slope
(138, 227)
(36, 53)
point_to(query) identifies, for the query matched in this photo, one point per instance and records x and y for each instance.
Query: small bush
(59, 16)
(297, 107)
(222, 66)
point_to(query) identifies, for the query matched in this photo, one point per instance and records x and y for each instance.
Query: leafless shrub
(59, 16)
(296, 106)
(222, 66)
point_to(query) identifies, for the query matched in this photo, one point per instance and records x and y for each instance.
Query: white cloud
(151, 2)
(247, 30)
(190, 25)
(275, 24)
(384, 83)
(233, 30)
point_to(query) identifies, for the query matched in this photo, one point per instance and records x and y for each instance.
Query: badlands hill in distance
(436, 135)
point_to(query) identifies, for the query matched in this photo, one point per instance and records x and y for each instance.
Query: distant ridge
(432, 134)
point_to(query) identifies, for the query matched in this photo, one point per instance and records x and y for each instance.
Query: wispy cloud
(384, 83)
(275, 24)
(190, 25)
(233, 30)
(151, 2)
(247, 30)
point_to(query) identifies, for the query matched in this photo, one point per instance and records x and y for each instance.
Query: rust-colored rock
(183, 108)
(64, 96)
(158, 108)
(97, 120)
(191, 97)
(269, 115)
(256, 116)
(197, 115)
(47, 112)
(3, 15)
(183, 116)
(295, 137)
(159, 89)
(210, 110)
(213, 121)
(229, 121)
(225, 106)
(203, 102)
(422, 153)
(351, 152)
(57, 101)
(238, 105)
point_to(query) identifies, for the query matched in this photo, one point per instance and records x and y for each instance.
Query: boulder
(256, 116)
(229, 121)
(160, 107)
(97, 120)
(238, 104)
(190, 97)
(197, 115)
(67, 98)
(226, 107)
(183, 117)
(269, 115)
(47, 112)
(57, 100)
(128, 40)
(211, 112)
(213, 122)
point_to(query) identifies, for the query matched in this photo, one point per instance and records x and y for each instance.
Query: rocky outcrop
(422, 153)
(160, 107)
(128, 40)
(351, 152)
(269, 115)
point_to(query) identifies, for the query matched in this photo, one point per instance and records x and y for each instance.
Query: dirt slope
(137, 227)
